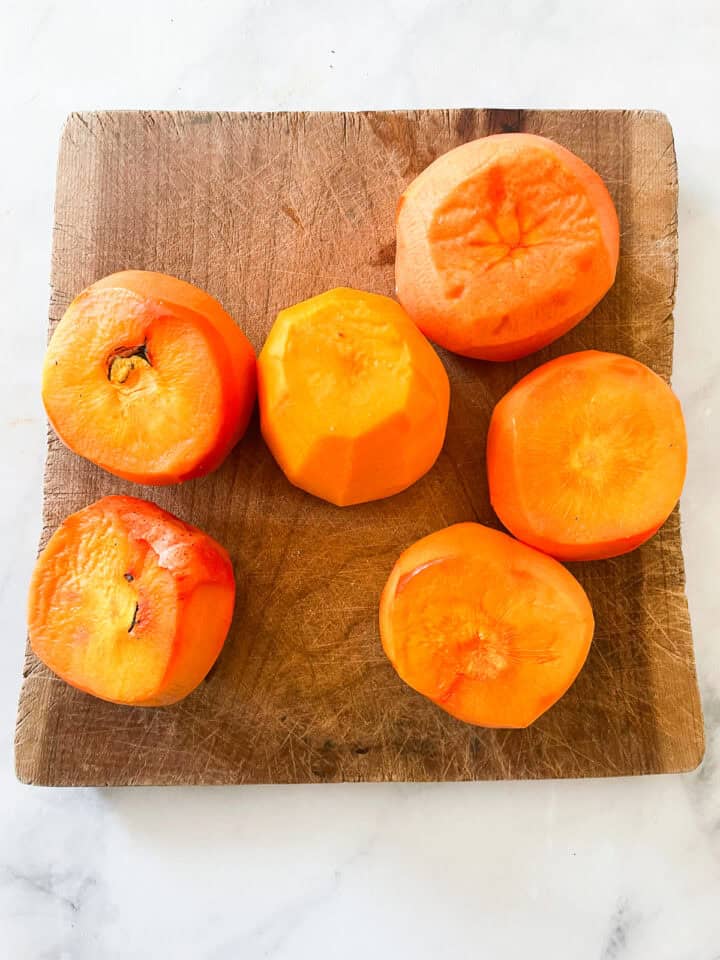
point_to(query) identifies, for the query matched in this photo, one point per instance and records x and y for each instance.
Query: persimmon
(503, 245)
(353, 399)
(129, 603)
(487, 628)
(586, 455)
(148, 377)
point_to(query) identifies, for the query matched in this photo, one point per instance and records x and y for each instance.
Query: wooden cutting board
(264, 210)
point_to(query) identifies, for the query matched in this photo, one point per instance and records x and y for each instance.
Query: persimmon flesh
(353, 399)
(149, 377)
(487, 628)
(503, 245)
(129, 603)
(586, 455)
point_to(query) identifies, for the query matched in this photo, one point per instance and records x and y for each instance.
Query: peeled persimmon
(487, 628)
(586, 456)
(129, 603)
(503, 245)
(353, 399)
(148, 377)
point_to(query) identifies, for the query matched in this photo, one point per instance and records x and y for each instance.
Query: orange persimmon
(586, 455)
(129, 603)
(487, 628)
(353, 399)
(148, 377)
(503, 245)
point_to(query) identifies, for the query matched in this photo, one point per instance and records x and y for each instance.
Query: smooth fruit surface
(503, 245)
(586, 455)
(353, 399)
(129, 603)
(487, 628)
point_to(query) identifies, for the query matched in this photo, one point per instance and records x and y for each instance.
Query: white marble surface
(615, 870)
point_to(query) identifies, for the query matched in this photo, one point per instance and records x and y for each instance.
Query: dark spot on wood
(384, 256)
(129, 577)
(134, 618)
(293, 214)
(361, 751)
(506, 121)
(466, 125)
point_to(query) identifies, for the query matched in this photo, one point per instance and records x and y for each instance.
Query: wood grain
(267, 209)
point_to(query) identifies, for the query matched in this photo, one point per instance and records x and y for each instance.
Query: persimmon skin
(353, 399)
(487, 628)
(586, 456)
(148, 377)
(503, 245)
(130, 604)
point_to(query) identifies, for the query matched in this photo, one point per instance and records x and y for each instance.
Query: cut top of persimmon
(489, 629)
(586, 455)
(504, 244)
(129, 603)
(149, 378)
(353, 399)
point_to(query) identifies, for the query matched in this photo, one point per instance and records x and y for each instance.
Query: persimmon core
(124, 362)
(459, 620)
(524, 217)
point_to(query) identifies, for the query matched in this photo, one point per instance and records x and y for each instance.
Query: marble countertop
(613, 870)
